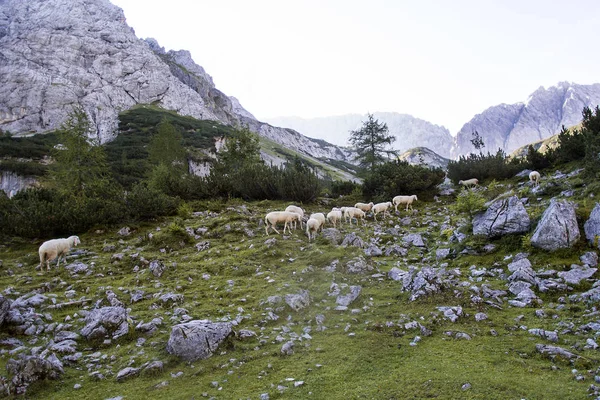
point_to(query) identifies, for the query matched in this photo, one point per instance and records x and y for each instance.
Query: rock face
(409, 131)
(106, 321)
(61, 54)
(558, 227)
(503, 217)
(30, 369)
(12, 183)
(510, 126)
(198, 339)
(592, 226)
(424, 156)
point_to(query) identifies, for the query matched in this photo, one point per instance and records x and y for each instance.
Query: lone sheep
(381, 208)
(366, 207)
(297, 210)
(534, 177)
(277, 217)
(408, 200)
(469, 182)
(312, 226)
(56, 248)
(334, 217)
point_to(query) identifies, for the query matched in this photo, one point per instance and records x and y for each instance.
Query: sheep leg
(275, 229)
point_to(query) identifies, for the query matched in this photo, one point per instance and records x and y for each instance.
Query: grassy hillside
(127, 153)
(383, 346)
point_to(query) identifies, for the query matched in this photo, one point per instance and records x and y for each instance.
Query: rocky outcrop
(510, 126)
(592, 226)
(106, 322)
(198, 339)
(558, 227)
(503, 217)
(11, 183)
(425, 157)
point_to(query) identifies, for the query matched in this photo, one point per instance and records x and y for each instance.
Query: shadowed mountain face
(59, 54)
(509, 127)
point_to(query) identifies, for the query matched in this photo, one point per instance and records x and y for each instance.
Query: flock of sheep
(57, 248)
(294, 214)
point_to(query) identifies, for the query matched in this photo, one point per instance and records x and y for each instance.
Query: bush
(469, 202)
(482, 167)
(145, 203)
(400, 178)
(342, 188)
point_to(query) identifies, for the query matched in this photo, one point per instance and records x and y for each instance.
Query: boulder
(198, 339)
(576, 274)
(29, 369)
(353, 239)
(358, 265)
(558, 227)
(414, 239)
(298, 301)
(127, 373)
(4, 308)
(373, 251)
(592, 226)
(332, 235)
(503, 217)
(345, 300)
(157, 268)
(106, 322)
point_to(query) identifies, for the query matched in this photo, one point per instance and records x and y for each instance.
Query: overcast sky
(442, 61)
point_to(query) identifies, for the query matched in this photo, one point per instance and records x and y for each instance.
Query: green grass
(377, 362)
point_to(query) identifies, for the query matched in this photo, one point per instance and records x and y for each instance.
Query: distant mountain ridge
(409, 131)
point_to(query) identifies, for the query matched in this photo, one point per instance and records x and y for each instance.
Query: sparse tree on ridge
(371, 142)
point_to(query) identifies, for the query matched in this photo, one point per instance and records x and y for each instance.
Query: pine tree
(371, 142)
(80, 162)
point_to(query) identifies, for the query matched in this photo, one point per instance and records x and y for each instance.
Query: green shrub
(342, 188)
(469, 202)
(400, 178)
(144, 203)
(483, 167)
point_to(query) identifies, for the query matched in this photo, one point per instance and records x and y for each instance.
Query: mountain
(510, 126)
(59, 54)
(424, 156)
(409, 131)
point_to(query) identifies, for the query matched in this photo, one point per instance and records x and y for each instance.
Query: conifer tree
(371, 142)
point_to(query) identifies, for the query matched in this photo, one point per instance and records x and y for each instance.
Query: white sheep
(381, 208)
(334, 217)
(469, 182)
(297, 210)
(319, 217)
(277, 217)
(56, 248)
(408, 200)
(534, 177)
(366, 207)
(312, 226)
(353, 212)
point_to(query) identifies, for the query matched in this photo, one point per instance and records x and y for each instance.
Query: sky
(441, 61)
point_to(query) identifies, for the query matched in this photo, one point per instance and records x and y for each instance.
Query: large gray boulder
(111, 322)
(592, 226)
(577, 273)
(198, 339)
(298, 301)
(332, 235)
(558, 227)
(29, 369)
(503, 217)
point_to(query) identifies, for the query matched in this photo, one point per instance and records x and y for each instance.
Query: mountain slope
(424, 156)
(59, 54)
(409, 131)
(509, 127)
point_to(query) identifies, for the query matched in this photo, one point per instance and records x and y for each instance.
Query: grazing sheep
(381, 207)
(534, 177)
(469, 182)
(353, 212)
(296, 210)
(56, 248)
(366, 207)
(319, 217)
(408, 200)
(277, 217)
(312, 225)
(334, 217)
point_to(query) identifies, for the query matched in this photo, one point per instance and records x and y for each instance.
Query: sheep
(353, 212)
(366, 207)
(276, 217)
(56, 248)
(534, 177)
(312, 225)
(381, 207)
(408, 200)
(469, 182)
(319, 217)
(296, 210)
(334, 217)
